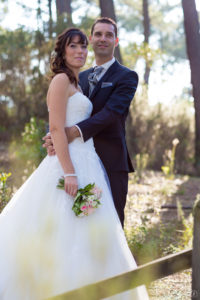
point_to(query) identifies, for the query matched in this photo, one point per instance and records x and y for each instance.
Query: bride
(45, 249)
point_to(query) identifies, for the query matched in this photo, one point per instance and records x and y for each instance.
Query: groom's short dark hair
(107, 21)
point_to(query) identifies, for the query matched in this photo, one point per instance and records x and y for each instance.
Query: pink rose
(83, 208)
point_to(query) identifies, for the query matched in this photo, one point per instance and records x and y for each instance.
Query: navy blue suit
(111, 99)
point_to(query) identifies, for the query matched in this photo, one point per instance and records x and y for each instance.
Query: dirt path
(147, 197)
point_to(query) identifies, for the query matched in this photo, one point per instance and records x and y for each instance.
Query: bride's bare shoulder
(60, 86)
(60, 79)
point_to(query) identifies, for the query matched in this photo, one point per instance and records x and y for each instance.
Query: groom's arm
(117, 104)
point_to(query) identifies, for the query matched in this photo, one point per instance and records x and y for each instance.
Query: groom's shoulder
(125, 71)
(84, 73)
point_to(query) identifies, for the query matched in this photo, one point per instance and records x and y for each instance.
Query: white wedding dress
(45, 249)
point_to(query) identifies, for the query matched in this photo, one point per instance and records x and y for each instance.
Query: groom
(110, 87)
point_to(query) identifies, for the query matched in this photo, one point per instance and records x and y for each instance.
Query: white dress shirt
(105, 66)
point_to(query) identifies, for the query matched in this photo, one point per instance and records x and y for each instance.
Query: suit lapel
(86, 91)
(107, 75)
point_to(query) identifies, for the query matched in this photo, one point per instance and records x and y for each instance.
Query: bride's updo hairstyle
(58, 64)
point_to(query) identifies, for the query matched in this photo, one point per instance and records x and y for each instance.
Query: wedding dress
(45, 249)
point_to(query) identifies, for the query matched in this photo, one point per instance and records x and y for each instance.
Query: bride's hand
(49, 145)
(71, 185)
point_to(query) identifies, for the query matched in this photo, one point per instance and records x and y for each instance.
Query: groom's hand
(72, 133)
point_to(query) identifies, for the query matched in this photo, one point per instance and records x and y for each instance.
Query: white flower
(91, 198)
(175, 142)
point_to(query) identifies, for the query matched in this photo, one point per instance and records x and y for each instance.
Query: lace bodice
(79, 108)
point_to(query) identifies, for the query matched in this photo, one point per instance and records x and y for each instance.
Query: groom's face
(103, 40)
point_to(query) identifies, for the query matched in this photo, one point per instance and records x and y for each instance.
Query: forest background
(160, 40)
(153, 43)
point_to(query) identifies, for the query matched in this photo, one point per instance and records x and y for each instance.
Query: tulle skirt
(46, 250)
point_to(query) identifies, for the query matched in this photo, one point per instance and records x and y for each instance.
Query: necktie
(92, 78)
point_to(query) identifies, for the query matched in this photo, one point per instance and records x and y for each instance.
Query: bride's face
(75, 53)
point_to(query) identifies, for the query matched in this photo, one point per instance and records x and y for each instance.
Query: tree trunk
(50, 18)
(108, 10)
(146, 24)
(39, 15)
(191, 24)
(63, 7)
(60, 7)
(69, 13)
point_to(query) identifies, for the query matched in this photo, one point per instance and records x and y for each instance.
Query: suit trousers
(119, 188)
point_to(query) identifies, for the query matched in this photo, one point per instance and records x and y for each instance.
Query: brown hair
(107, 21)
(58, 64)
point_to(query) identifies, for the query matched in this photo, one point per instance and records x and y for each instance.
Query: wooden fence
(147, 273)
(196, 251)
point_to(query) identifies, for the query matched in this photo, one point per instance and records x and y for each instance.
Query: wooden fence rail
(142, 275)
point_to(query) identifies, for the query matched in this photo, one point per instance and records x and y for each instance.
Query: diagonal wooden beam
(142, 275)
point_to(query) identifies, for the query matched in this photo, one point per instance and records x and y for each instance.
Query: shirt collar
(106, 65)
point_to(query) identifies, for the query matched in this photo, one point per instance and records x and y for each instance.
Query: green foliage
(130, 14)
(23, 82)
(15, 49)
(5, 191)
(141, 164)
(148, 242)
(5, 121)
(25, 57)
(63, 21)
(149, 54)
(187, 228)
(167, 31)
(28, 150)
(153, 232)
(32, 140)
(151, 130)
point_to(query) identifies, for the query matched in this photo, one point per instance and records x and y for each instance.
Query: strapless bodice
(79, 108)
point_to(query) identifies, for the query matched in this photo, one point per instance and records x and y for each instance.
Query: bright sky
(163, 86)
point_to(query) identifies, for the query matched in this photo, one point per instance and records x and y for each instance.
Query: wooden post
(196, 251)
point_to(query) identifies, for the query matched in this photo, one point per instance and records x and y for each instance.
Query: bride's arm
(56, 100)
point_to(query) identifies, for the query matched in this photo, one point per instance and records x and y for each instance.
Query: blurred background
(159, 39)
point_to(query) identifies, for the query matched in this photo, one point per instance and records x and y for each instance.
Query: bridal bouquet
(86, 200)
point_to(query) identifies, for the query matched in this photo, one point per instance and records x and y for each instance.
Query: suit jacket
(111, 99)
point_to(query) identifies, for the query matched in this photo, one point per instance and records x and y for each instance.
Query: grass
(153, 232)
